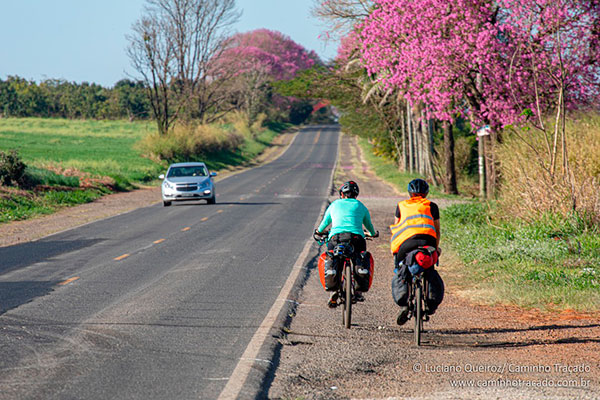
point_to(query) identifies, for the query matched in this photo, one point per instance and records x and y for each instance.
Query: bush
(192, 141)
(12, 169)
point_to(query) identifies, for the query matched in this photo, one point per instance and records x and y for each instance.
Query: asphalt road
(159, 303)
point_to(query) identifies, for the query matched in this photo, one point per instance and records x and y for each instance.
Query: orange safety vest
(416, 220)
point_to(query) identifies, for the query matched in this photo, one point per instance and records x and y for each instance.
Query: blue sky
(84, 40)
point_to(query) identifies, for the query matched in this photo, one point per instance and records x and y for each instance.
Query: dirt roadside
(107, 206)
(492, 352)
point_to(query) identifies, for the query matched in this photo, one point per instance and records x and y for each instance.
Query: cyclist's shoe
(402, 316)
(358, 296)
(333, 300)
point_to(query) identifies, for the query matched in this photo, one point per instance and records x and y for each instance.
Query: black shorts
(412, 243)
(358, 242)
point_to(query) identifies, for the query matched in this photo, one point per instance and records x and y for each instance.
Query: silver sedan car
(188, 181)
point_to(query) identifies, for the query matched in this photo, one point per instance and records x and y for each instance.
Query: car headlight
(203, 185)
(167, 185)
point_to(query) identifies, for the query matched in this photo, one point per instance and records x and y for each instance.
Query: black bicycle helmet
(418, 186)
(350, 189)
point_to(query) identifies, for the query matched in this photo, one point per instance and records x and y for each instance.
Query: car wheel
(212, 200)
(166, 203)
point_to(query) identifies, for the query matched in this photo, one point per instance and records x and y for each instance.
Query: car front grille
(187, 188)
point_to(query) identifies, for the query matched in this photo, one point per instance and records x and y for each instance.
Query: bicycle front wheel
(418, 314)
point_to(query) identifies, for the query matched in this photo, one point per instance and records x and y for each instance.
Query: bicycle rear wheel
(348, 290)
(418, 314)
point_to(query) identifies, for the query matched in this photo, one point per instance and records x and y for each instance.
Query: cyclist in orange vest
(417, 224)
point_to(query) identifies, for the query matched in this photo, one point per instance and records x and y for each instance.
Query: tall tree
(172, 46)
(341, 16)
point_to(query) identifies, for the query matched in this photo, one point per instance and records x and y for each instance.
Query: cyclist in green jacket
(347, 216)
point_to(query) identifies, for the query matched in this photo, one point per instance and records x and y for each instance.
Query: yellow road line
(204, 219)
(159, 241)
(317, 137)
(69, 281)
(121, 257)
(186, 229)
(219, 212)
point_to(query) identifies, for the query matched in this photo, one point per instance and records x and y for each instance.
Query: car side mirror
(213, 174)
(161, 176)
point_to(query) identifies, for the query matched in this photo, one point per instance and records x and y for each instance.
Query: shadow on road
(14, 294)
(25, 254)
(227, 203)
(476, 331)
(464, 338)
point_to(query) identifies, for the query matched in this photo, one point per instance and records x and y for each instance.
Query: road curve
(160, 302)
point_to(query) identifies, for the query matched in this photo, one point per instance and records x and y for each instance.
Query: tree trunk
(430, 149)
(411, 139)
(450, 180)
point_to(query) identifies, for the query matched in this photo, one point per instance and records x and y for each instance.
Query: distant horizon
(44, 45)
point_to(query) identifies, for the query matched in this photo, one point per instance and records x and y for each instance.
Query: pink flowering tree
(497, 62)
(443, 53)
(258, 58)
(554, 65)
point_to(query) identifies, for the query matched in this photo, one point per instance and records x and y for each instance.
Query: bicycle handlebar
(321, 237)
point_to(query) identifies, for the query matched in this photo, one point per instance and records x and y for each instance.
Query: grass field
(102, 148)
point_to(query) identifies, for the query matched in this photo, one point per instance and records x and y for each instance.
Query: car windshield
(187, 171)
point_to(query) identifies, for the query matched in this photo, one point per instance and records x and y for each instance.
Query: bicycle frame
(343, 253)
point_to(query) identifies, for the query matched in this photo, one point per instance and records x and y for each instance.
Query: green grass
(19, 207)
(101, 148)
(552, 263)
(387, 170)
(40, 176)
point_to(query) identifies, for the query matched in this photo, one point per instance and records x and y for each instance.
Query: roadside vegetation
(551, 262)
(56, 163)
(549, 257)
